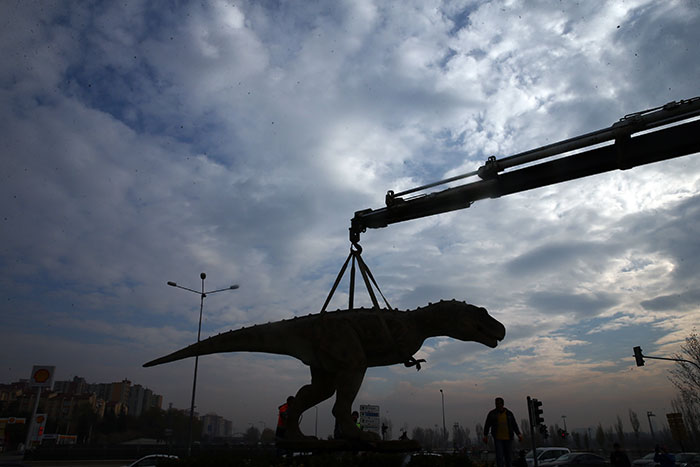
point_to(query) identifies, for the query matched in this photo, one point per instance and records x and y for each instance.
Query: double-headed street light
(202, 295)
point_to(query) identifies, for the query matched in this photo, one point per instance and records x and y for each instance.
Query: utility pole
(651, 429)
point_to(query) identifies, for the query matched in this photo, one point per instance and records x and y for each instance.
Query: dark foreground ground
(249, 457)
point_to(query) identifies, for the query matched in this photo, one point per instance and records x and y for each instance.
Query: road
(77, 463)
(7, 462)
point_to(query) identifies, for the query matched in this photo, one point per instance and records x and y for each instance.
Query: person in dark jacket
(618, 458)
(500, 422)
(663, 457)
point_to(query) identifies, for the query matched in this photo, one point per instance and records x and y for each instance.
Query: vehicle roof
(578, 453)
(548, 448)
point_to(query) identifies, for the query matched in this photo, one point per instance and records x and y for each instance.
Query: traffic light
(537, 412)
(543, 431)
(638, 356)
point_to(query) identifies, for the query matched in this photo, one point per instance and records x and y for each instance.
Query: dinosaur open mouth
(493, 335)
(491, 342)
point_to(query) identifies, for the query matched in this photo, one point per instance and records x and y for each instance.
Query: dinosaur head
(465, 322)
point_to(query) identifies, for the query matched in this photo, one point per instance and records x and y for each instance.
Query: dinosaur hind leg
(347, 383)
(321, 388)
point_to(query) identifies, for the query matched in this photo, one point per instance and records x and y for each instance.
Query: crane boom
(637, 139)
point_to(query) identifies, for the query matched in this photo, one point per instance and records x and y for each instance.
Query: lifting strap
(356, 257)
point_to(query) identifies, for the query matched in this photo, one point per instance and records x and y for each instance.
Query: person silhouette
(500, 422)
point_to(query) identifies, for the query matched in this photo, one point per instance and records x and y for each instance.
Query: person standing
(282, 417)
(618, 458)
(500, 422)
(663, 457)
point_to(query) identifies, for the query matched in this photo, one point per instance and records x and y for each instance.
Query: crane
(640, 138)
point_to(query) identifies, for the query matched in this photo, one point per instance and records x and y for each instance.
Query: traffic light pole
(532, 429)
(640, 358)
(674, 360)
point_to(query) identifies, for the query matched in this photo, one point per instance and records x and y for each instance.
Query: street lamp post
(202, 295)
(649, 415)
(444, 428)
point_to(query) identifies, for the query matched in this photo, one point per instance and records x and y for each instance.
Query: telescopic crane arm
(637, 139)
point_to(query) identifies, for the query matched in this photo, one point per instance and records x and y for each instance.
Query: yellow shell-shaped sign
(41, 375)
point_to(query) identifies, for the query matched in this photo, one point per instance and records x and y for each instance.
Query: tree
(600, 436)
(554, 432)
(634, 421)
(525, 429)
(267, 436)
(620, 430)
(610, 436)
(577, 439)
(252, 435)
(460, 436)
(479, 428)
(426, 437)
(691, 420)
(686, 376)
(386, 422)
(84, 420)
(418, 434)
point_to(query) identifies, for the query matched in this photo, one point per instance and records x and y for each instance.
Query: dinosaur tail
(262, 338)
(215, 344)
(189, 351)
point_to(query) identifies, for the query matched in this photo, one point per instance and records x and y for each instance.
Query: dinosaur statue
(339, 347)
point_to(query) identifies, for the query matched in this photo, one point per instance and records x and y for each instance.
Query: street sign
(369, 418)
(38, 428)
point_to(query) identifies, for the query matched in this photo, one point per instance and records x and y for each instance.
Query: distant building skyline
(216, 426)
(136, 398)
(68, 396)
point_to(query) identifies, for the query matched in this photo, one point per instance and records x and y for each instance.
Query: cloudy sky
(145, 142)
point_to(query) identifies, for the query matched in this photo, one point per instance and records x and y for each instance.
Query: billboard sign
(675, 423)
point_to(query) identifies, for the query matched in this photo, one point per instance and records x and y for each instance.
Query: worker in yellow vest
(500, 422)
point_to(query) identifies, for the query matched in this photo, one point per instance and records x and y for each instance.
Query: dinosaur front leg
(321, 388)
(347, 384)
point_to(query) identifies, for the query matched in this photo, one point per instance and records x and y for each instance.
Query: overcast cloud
(144, 142)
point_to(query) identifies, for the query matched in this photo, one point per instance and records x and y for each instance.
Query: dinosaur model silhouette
(339, 347)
